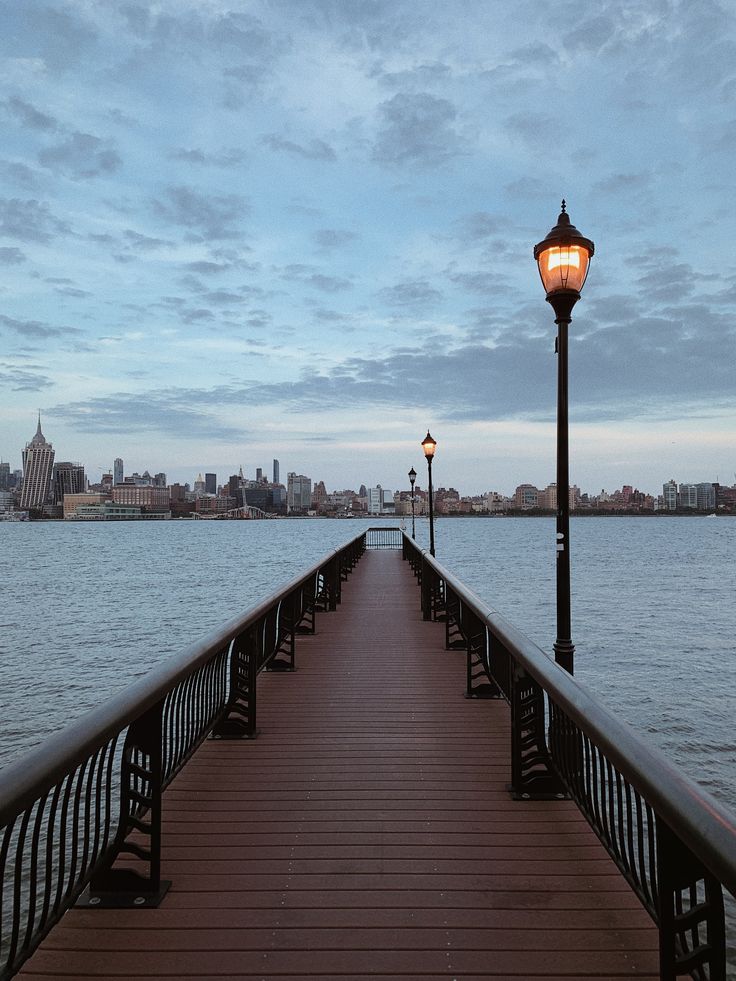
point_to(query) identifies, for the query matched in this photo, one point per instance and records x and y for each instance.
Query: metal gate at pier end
(672, 841)
(92, 794)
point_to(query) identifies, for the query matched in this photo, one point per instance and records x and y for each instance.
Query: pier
(370, 775)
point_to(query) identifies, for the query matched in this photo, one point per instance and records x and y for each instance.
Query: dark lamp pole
(563, 258)
(412, 478)
(428, 445)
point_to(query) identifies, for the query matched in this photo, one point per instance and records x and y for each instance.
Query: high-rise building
(375, 499)
(259, 474)
(67, 478)
(299, 492)
(199, 486)
(669, 495)
(38, 462)
(210, 483)
(117, 471)
(4, 476)
(276, 476)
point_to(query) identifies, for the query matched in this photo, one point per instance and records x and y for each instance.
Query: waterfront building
(6, 501)
(118, 470)
(298, 492)
(697, 497)
(38, 462)
(375, 499)
(152, 500)
(83, 499)
(526, 496)
(67, 478)
(669, 496)
(210, 483)
(276, 477)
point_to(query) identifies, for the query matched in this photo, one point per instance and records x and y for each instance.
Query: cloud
(206, 268)
(145, 243)
(416, 128)
(420, 76)
(411, 293)
(29, 116)
(211, 216)
(328, 239)
(232, 157)
(11, 257)
(174, 413)
(480, 225)
(35, 329)
(81, 156)
(535, 128)
(312, 150)
(590, 35)
(29, 221)
(23, 380)
(19, 174)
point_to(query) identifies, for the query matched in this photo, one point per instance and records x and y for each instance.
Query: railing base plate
(485, 692)
(123, 900)
(536, 794)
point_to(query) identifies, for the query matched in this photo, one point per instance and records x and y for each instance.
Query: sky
(233, 230)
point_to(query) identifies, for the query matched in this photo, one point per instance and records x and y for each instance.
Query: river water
(86, 608)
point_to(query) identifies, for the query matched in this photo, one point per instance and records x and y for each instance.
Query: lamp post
(563, 258)
(412, 478)
(428, 445)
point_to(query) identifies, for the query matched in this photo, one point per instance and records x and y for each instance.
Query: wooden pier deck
(366, 833)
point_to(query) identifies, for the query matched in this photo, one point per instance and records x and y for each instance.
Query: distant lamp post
(412, 478)
(428, 445)
(563, 258)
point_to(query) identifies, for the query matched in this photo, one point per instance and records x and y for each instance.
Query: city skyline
(304, 230)
(120, 470)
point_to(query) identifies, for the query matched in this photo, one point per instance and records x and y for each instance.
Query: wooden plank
(367, 832)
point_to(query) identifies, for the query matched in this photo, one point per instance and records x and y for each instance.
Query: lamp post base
(564, 654)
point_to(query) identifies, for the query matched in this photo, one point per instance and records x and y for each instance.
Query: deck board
(367, 833)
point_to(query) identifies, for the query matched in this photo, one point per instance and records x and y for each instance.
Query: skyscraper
(67, 478)
(276, 479)
(210, 483)
(38, 461)
(117, 471)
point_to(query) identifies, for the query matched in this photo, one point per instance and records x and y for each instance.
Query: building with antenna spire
(38, 463)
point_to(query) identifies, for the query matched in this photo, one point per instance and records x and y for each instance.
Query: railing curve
(80, 816)
(673, 842)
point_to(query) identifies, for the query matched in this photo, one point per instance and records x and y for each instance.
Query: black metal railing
(383, 538)
(672, 841)
(80, 817)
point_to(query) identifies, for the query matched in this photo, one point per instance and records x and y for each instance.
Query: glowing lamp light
(428, 445)
(563, 257)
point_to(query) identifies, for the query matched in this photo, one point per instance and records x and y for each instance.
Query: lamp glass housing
(428, 445)
(412, 476)
(563, 267)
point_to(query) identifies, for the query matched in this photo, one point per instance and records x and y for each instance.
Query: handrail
(673, 841)
(68, 808)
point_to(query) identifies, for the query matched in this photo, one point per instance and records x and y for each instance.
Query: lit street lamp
(563, 258)
(428, 445)
(412, 478)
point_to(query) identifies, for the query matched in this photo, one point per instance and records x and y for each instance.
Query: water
(88, 607)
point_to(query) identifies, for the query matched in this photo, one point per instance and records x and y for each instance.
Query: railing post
(334, 581)
(690, 913)
(239, 716)
(532, 777)
(425, 590)
(141, 787)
